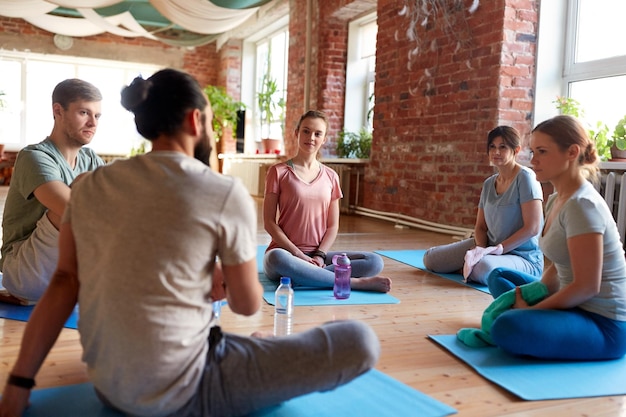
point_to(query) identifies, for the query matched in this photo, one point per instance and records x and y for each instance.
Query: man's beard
(202, 151)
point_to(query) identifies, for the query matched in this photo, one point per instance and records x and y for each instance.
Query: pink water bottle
(343, 270)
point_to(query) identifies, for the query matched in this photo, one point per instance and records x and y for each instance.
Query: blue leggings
(281, 263)
(501, 280)
(573, 334)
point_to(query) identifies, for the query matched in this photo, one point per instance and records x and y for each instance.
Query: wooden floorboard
(428, 305)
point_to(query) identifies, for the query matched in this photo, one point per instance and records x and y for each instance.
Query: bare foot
(5, 297)
(262, 334)
(378, 284)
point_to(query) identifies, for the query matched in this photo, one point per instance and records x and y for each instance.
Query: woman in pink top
(301, 214)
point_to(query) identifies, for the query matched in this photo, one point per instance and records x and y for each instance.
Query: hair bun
(134, 95)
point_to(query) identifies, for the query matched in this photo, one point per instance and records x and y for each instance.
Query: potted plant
(271, 110)
(354, 145)
(618, 143)
(599, 134)
(224, 111)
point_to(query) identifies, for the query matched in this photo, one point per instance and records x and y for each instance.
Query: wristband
(20, 381)
(320, 253)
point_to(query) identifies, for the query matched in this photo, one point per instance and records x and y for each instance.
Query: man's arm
(45, 324)
(243, 289)
(54, 195)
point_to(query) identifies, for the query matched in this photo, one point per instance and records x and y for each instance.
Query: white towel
(472, 257)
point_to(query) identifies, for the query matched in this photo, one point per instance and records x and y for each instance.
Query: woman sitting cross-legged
(584, 315)
(301, 214)
(508, 222)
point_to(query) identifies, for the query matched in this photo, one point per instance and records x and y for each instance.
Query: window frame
(580, 71)
(250, 81)
(359, 77)
(79, 65)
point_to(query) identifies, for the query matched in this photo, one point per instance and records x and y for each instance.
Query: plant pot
(270, 145)
(617, 154)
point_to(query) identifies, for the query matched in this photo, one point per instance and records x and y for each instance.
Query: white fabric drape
(201, 16)
(25, 8)
(198, 16)
(70, 26)
(75, 4)
(125, 19)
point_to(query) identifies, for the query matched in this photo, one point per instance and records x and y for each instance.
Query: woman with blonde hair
(584, 315)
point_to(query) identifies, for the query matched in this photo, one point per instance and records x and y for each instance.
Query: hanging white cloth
(198, 16)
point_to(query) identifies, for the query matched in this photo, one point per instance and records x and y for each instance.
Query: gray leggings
(280, 263)
(450, 258)
(244, 374)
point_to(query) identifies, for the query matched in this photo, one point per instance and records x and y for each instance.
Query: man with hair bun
(148, 232)
(40, 190)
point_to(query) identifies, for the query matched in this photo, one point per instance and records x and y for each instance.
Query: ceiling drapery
(175, 22)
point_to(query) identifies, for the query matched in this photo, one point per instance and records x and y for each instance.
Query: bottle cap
(285, 280)
(343, 259)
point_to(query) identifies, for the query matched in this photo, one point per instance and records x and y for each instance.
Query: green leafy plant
(569, 106)
(354, 145)
(142, 147)
(599, 134)
(3, 102)
(271, 104)
(619, 134)
(224, 109)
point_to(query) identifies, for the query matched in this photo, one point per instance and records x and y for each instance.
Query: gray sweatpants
(30, 263)
(244, 374)
(451, 257)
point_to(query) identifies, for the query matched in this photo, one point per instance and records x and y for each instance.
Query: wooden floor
(429, 305)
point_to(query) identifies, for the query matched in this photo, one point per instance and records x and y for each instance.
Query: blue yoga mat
(533, 379)
(305, 296)
(260, 253)
(372, 394)
(22, 313)
(415, 258)
(310, 297)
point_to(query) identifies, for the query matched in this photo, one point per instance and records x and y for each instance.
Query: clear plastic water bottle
(343, 271)
(217, 312)
(283, 308)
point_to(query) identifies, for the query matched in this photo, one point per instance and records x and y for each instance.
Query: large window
(271, 78)
(360, 73)
(28, 80)
(595, 64)
(586, 61)
(265, 58)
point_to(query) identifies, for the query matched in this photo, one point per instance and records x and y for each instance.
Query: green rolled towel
(532, 293)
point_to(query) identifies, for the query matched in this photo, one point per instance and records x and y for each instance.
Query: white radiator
(344, 173)
(251, 172)
(613, 188)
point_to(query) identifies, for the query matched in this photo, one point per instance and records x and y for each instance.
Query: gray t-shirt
(503, 212)
(587, 212)
(36, 165)
(147, 231)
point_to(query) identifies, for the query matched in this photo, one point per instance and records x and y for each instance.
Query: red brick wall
(432, 113)
(229, 76)
(296, 75)
(203, 63)
(328, 20)
(331, 74)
